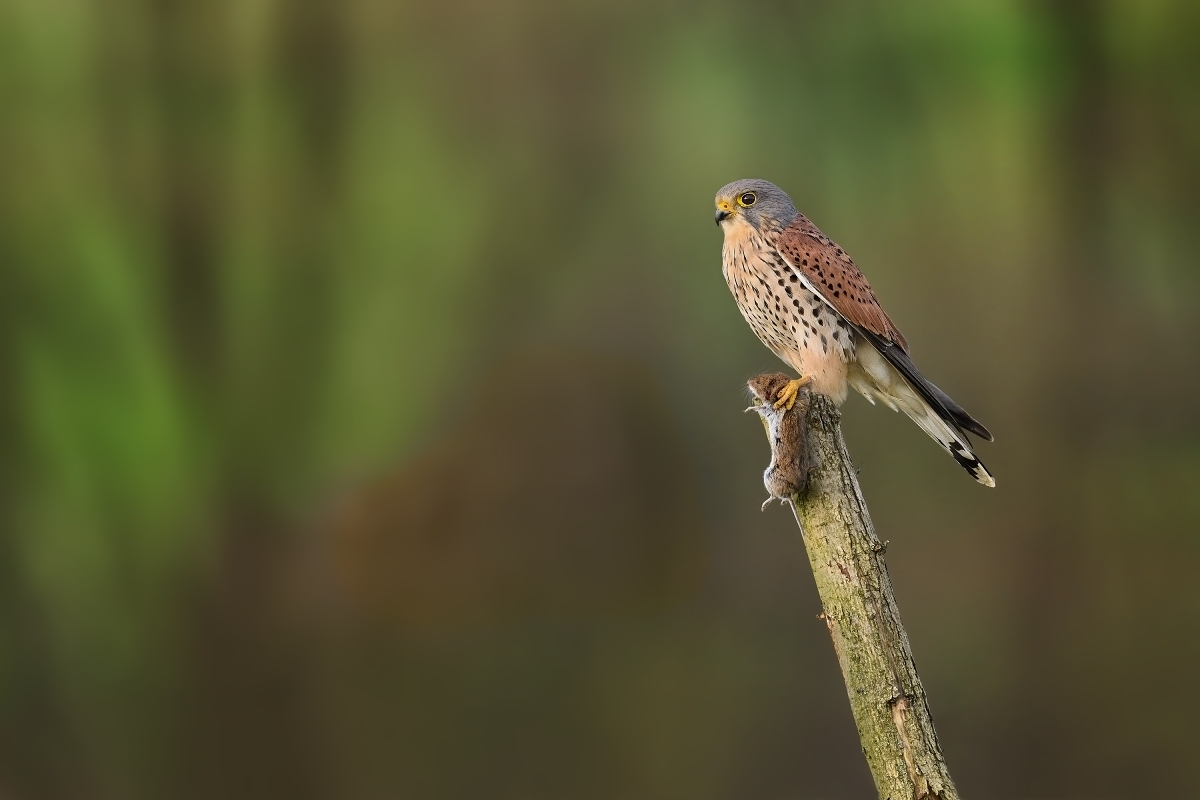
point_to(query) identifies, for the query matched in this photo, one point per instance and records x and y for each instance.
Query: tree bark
(811, 471)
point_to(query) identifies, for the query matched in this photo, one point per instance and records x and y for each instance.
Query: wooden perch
(811, 471)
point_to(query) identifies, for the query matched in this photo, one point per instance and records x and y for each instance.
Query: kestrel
(809, 303)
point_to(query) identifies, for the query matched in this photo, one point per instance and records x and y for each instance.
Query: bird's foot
(787, 395)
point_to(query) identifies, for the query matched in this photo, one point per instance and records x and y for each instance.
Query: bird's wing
(832, 274)
(827, 270)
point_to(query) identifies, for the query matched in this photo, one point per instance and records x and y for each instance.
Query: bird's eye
(747, 200)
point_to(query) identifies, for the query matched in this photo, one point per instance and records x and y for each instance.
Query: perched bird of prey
(809, 303)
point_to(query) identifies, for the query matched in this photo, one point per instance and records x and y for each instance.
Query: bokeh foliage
(368, 422)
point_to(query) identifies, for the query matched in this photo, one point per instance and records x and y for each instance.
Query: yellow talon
(787, 395)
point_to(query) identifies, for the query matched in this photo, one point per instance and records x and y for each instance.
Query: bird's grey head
(757, 202)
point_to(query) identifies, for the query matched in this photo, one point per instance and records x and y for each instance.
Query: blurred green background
(370, 396)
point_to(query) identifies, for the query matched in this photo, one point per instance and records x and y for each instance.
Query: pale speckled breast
(787, 317)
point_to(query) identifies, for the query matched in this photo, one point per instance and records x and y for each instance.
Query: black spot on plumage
(964, 458)
(795, 278)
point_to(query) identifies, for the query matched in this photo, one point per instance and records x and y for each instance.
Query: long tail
(947, 434)
(905, 389)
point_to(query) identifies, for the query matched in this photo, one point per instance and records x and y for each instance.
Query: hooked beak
(724, 211)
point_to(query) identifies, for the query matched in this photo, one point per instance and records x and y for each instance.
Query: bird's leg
(787, 395)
